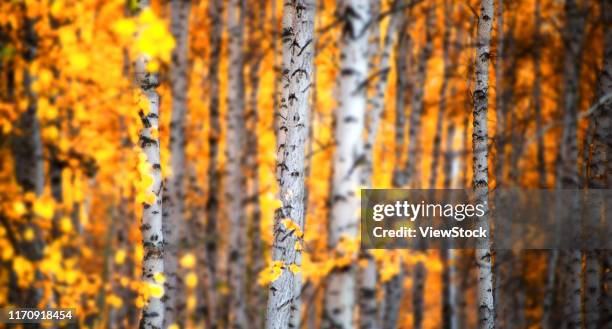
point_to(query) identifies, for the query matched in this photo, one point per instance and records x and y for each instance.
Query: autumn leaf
(187, 261)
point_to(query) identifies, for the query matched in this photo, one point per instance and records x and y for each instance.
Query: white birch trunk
(174, 222)
(298, 52)
(152, 234)
(480, 137)
(349, 157)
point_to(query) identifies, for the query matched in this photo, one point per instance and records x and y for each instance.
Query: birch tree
(418, 107)
(152, 234)
(537, 91)
(480, 137)
(446, 73)
(215, 12)
(368, 276)
(417, 102)
(235, 176)
(298, 49)
(393, 291)
(568, 176)
(450, 314)
(600, 164)
(348, 158)
(256, 295)
(174, 225)
(599, 314)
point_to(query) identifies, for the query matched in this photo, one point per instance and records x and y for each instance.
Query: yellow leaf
(271, 273)
(188, 260)
(191, 303)
(174, 326)
(292, 226)
(28, 235)
(44, 209)
(79, 61)
(159, 277)
(125, 27)
(19, 208)
(120, 256)
(191, 280)
(294, 268)
(65, 224)
(155, 290)
(7, 252)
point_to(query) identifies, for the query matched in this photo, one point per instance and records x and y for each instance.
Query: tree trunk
(418, 103)
(28, 159)
(235, 177)
(298, 50)
(368, 276)
(215, 11)
(599, 173)
(448, 11)
(349, 158)
(568, 166)
(480, 137)
(151, 228)
(592, 293)
(377, 102)
(598, 300)
(257, 296)
(537, 94)
(174, 224)
(393, 295)
(450, 305)
(418, 106)
(403, 84)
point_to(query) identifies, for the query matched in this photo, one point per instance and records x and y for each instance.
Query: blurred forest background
(151, 155)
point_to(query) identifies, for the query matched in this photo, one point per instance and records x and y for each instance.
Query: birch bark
(480, 137)
(349, 157)
(298, 49)
(152, 233)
